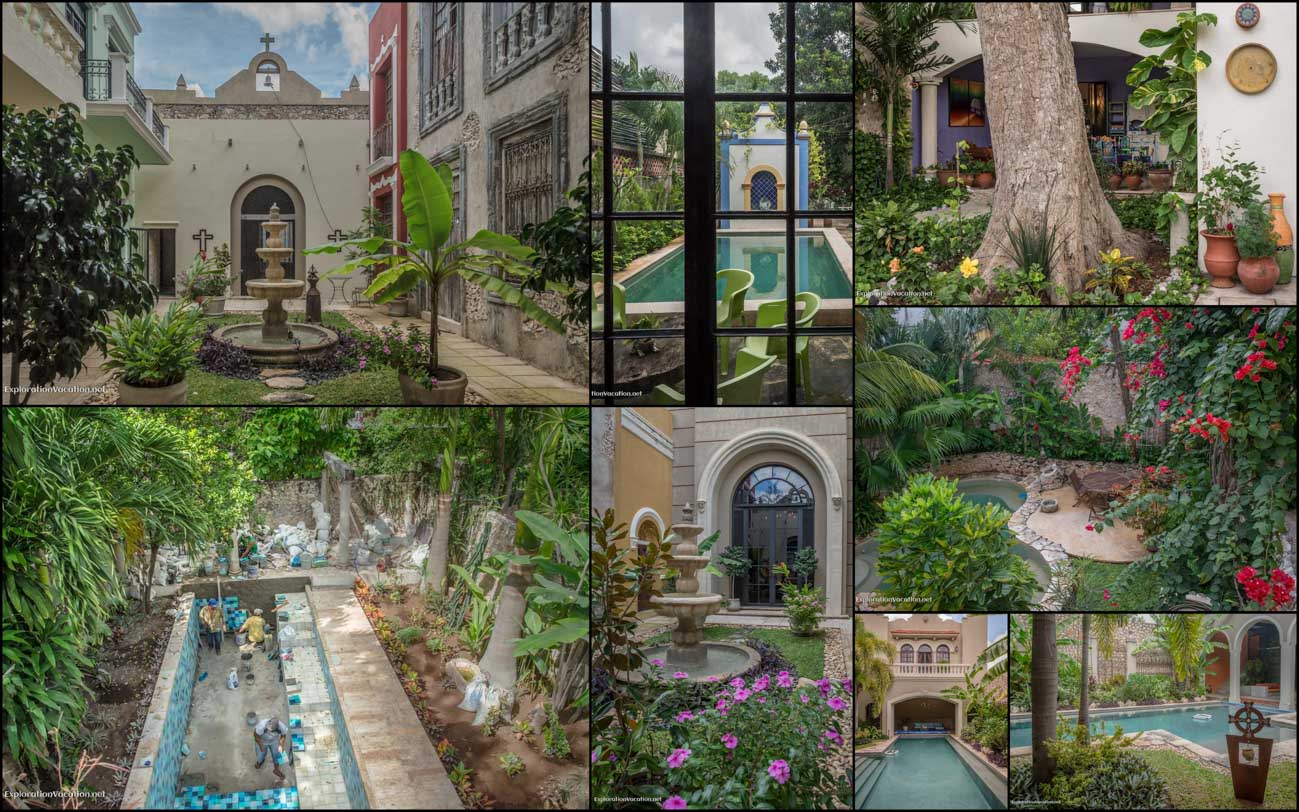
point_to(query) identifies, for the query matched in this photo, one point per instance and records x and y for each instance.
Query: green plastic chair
(772, 314)
(745, 389)
(619, 305)
(730, 308)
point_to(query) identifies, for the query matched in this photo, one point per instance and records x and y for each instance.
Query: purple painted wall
(1111, 70)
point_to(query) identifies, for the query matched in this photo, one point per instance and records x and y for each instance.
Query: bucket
(251, 718)
(241, 638)
(252, 571)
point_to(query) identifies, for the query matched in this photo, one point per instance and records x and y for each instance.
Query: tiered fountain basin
(305, 341)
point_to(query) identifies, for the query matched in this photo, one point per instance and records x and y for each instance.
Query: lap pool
(1210, 733)
(762, 253)
(926, 773)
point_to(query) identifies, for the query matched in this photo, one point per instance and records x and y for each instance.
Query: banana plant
(428, 258)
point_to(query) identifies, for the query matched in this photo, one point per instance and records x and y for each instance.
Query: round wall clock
(1247, 15)
(1251, 68)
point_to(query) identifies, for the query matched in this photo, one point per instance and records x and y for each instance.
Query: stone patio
(1119, 544)
(1237, 295)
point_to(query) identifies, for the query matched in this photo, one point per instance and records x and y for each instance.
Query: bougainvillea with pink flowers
(1220, 382)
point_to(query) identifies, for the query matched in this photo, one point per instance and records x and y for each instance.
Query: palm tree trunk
(1084, 695)
(498, 660)
(1043, 683)
(888, 141)
(148, 582)
(433, 329)
(439, 548)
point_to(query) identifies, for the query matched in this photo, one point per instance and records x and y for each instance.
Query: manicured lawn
(806, 653)
(378, 386)
(1195, 787)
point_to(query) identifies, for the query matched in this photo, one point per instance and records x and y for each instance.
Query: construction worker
(270, 736)
(214, 624)
(256, 627)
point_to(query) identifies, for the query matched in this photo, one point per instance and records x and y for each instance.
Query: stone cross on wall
(267, 39)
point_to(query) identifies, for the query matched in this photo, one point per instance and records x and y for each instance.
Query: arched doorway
(924, 714)
(1260, 662)
(249, 208)
(1217, 674)
(647, 526)
(772, 514)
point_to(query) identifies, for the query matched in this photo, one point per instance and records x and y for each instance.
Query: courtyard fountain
(272, 342)
(688, 651)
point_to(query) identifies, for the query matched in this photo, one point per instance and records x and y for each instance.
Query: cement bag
(491, 698)
(287, 634)
(474, 692)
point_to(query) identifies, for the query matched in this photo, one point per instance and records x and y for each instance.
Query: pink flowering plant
(406, 352)
(1219, 383)
(761, 742)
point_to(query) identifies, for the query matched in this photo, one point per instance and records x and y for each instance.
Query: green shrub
(410, 634)
(1140, 687)
(936, 550)
(554, 740)
(1138, 212)
(804, 606)
(1096, 774)
(155, 351)
(888, 230)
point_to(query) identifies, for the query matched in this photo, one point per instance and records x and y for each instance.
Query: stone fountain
(689, 652)
(272, 342)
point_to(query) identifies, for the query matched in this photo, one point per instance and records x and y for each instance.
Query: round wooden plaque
(1251, 68)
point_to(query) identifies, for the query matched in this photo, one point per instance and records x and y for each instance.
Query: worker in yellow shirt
(256, 627)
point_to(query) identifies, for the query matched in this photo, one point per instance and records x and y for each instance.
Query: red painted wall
(387, 18)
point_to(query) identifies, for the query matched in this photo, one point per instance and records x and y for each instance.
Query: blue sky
(210, 42)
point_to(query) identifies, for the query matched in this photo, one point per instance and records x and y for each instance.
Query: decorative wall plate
(1247, 15)
(1251, 68)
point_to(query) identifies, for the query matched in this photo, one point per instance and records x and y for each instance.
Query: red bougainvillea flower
(1089, 529)
(1190, 326)
(1257, 590)
(1245, 573)
(1253, 333)
(1150, 469)
(1268, 364)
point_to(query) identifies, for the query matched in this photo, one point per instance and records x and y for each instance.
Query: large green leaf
(394, 282)
(501, 243)
(425, 201)
(565, 630)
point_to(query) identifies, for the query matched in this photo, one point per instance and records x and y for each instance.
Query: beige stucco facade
(538, 88)
(715, 448)
(915, 695)
(311, 147)
(643, 472)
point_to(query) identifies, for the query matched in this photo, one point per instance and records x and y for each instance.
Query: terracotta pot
(450, 389)
(1284, 236)
(1133, 182)
(946, 177)
(174, 395)
(1258, 274)
(984, 180)
(1160, 179)
(397, 307)
(1220, 258)
(1115, 181)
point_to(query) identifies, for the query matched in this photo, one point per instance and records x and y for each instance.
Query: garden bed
(543, 779)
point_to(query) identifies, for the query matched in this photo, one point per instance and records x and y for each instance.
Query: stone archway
(646, 525)
(922, 706)
(1258, 661)
(728, 463)
(300, 224)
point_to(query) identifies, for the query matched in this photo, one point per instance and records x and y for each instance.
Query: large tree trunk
(869, 111)
(1084, 695)
(438, 549)
(1043, 685)
(498, 660)
(1039, 142)
(1116, 344)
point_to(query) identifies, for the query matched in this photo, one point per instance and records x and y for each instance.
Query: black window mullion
(791, 209)
(606, 135)
(700, 252)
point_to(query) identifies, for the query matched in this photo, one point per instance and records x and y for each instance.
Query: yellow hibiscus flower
(969, 267)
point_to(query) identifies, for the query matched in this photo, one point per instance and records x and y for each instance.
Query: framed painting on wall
(965, 103)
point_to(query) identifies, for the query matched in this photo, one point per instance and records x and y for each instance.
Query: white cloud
(290, 21)
(195, 86)
(280, 18)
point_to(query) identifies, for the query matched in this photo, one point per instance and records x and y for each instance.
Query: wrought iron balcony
(98, 79)
(159, 129)
(138, 101)
(381, 142)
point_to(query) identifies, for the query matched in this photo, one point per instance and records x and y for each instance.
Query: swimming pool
(1008, 495)
(1178, 721)
(762, 253)
(926, 773)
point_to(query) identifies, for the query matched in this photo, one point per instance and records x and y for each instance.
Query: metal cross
(268, 39)
(202, 236)
(337, 236)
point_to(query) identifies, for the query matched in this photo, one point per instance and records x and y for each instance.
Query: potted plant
(1224, 188)
(947, 173)
(735, 564)
(984, 174)
(1160, 175)
(204, 283)
(1256, 242)
(1132, 172)
(429, 257)
(152, 355)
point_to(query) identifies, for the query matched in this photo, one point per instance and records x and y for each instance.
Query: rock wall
(1019, 466)
(1100, 393)
(296, 112)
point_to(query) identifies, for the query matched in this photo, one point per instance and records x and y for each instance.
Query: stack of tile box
(316, 765)
(197, 798)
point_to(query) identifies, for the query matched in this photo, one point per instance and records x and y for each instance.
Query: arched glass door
(772, 519)
(255, 210)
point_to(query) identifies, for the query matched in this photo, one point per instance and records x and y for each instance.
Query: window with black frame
(721, 197)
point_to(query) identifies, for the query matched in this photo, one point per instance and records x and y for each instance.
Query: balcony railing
(158, 127)
(138, 101)
(78, 22)
(514, 37)
(381, 142)
(930, 669)
(97, 75)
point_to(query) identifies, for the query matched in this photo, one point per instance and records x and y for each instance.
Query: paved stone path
(1237, 295)
(395, 760)
(319, 766)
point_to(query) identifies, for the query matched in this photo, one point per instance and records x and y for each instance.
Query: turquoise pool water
(928, 774)
(1178, 721)
(992, 492)
(761, 253)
